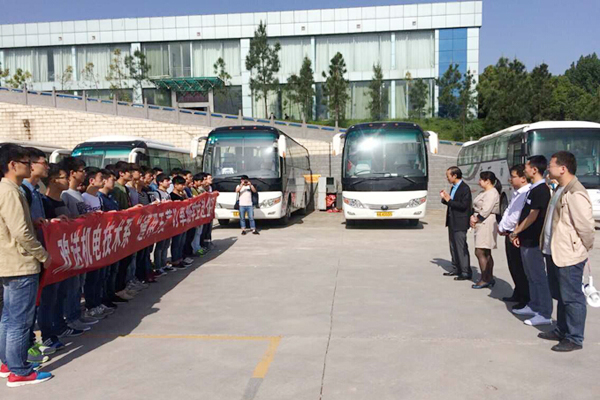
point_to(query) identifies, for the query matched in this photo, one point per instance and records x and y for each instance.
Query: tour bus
(275, 163)
(499, 151)
(384, 171)
(104, 150)
(53, 153)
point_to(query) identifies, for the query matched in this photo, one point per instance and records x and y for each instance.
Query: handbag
(236, 206)
(592, 295)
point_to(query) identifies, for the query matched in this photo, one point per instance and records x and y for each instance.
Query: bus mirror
(194, 144)
(58, 155)
(434, 142)
(134, 156)
(282, 146)
(337, 144)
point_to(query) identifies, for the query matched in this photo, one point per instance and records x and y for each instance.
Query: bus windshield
(384, 152)
(583, 143)
(236, 153)
(100, 156)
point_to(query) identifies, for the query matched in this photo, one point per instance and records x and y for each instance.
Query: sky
(556, 32)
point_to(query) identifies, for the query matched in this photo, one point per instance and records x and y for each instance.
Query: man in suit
(459, 205)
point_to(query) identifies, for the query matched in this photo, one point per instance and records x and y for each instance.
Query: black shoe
(117, 299)
(452, 273)
(244, 232)
(511, 299)
(518, 306)
(566, 345)
(255, 233)
(485, 285)
(552, 335)
(462, 277)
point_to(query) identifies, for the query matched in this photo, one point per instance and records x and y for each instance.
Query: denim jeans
(142, 268)
(565, 286)
(18, 315)
(131, 268)
(177, 243)
(111, 281)
(160, 254)
(539, 291)
(72, 298)
(250, 211)
(92, 289)
(196, 241)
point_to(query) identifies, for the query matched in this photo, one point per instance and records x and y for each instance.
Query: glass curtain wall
(206, 53)
(292, 53)
(101, 56)
(45, 64)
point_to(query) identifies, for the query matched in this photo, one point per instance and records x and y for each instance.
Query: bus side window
(514, 153)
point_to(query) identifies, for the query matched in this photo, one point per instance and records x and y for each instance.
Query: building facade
(415, 41)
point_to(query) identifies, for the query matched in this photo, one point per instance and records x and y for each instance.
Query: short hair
(538, 162)
(122, 167)
(90, 173)
(176, 171)
(179, 180)
(455, 171)
(566, 159)
(54, 171)
(35, 154)
(200, 176)
(107, 173)
(244, 177)
(134, 167)
(111, 167)
(162, 177)
(518, 169)
(70, 164)
(157, 170)
(185, 172)
(11, 152)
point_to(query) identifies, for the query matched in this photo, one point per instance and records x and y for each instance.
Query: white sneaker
(95, 313)
(538, 320)
(188, 260)
(524, 311)
(106, 310)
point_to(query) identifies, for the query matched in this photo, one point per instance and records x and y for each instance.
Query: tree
(586, 73)
(378, 103)
(220, 68)
(567, 99)
(417, 94)
(300, 88)
(138, 68)
(90, 78)
(3, 73)
(66, 78)
(117, 76)
(263, 63)
(19, 79)
(449, 87)
(336, 86)
(467, 100)
(542, 88)
(504, 94)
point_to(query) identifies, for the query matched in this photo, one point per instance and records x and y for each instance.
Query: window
(157, 56)
(477, 153)
(488, 150)
(500, 151)
(206, 53)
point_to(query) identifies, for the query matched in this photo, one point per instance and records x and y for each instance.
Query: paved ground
(316, 311)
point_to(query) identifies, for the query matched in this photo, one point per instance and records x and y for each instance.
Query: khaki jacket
(572, 226)
(20, 251)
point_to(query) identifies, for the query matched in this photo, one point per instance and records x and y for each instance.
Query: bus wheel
(503, 204)
(413, 222)
(223, 222)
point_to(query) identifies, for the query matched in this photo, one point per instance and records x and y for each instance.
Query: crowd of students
(549, 229)
(33, 191)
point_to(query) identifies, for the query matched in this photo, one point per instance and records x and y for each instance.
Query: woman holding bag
(486, 206)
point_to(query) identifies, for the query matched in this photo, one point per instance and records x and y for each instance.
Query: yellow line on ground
(263, 366)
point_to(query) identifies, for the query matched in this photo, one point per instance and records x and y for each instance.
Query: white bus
(276, 164)
(104, 150)
(384, 171)
(499, 151)
(53, 153)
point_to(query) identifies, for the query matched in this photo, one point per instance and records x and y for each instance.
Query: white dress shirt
(510, 219)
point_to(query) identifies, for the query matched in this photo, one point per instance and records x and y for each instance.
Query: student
(162, 248)
(526, 236)
(568, 236)
(177, 242)
(22, 256)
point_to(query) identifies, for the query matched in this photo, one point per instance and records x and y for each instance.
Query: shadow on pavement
(382, 224)
(129, 315)
(297, 218)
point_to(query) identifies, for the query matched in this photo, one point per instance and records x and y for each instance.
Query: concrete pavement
(317, 311)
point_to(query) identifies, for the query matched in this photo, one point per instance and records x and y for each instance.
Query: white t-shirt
(245, 196)
(92, 203)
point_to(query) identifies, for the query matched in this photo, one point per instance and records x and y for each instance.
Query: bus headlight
(417, 202)
(270, 202)
(353, 203)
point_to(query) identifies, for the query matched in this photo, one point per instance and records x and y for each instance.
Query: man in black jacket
(459, 204)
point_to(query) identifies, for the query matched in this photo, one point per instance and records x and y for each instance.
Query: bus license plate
(384, 214)
(236, 213)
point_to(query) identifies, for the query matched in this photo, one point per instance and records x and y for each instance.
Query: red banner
(100, 239)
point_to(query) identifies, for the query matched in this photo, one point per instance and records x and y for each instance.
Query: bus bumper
(225, 202)
(405, 213)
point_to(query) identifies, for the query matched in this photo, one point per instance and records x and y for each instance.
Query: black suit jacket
(460, 209)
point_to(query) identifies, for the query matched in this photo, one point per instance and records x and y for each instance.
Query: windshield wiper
(409, 179)
(382, 177)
